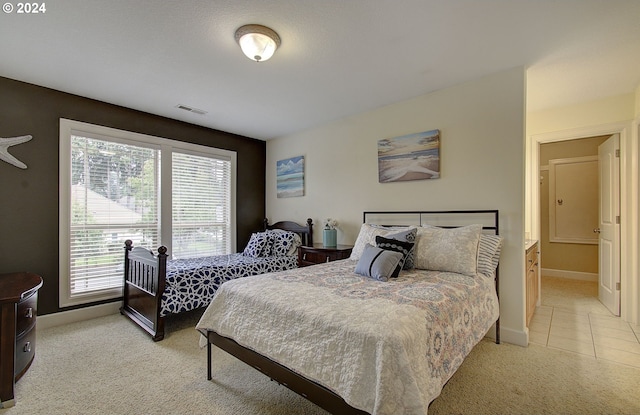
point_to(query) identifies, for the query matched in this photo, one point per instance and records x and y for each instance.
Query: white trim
(517, 337)
(630, 298)
(572, 275)
(81, 314)
(632, 290)
(166, 219)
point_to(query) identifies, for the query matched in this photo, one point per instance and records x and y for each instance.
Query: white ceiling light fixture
(257, 42)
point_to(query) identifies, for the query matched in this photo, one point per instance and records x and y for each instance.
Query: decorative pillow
(489, 254)
(377, 263)
(284, 243)
(257, 246)
(405, 248)
(406, 236)
(367, 235)
(451, 250)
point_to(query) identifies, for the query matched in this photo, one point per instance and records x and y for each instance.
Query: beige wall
(481, 125)
(633, 311)
(604, 111)
(581, 258)
(637, 105)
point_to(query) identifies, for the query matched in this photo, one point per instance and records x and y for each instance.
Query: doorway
(629, 133)
(569, 218)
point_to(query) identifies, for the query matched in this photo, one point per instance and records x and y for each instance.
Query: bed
(155, 287)
(365, 342)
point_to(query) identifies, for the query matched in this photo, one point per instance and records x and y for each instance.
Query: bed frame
(145, 279)
(311, 390)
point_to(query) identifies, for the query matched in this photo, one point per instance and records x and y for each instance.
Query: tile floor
(572, 318)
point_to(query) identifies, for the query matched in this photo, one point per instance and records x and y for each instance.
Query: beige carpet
(108, 366)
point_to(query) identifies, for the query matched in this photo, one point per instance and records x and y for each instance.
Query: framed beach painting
(409, 157)
(290, 177)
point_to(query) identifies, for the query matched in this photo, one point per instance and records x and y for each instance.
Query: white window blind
(117, 185)
(114, 197)
(201, 216)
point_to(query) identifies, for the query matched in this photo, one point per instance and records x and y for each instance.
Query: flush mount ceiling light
(257, 42)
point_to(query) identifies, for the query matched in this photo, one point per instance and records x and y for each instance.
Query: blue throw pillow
(258, 245)
(377, 263)
(284, 243)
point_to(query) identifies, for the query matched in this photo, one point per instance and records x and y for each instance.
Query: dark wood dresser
(317, 254)
(18, 310)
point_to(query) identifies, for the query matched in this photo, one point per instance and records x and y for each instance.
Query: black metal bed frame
(309, 389)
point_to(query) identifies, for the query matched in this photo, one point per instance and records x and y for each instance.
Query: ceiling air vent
(191, 109)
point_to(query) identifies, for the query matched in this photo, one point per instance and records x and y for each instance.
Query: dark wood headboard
(305, 231)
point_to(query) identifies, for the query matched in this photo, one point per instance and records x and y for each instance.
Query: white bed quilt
(387, 348)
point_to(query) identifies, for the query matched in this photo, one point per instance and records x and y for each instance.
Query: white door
(609, 231)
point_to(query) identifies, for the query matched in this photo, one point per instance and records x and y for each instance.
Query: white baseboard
(573, 275)
(507, 335)
(81, 314)
(517, 337)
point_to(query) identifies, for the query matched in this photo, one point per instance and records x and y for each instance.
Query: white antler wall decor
(5, 143)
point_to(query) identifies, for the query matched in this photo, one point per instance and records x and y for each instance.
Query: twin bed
(352, 337)
(155, 287)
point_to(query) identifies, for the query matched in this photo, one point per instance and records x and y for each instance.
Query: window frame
(166, 147)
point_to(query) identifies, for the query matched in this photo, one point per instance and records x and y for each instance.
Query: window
(200, 208)
(117, 185)
(112, 199)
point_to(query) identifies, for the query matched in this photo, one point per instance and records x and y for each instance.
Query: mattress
(384, 347)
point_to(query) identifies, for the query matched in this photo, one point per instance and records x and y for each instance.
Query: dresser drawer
(18, 302)
(26, 317)
(25, 351)
(316, 257)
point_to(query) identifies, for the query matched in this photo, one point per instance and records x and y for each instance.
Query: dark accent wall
(29, 198)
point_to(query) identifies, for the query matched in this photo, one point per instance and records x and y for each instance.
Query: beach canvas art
(290, 177)
(409, 157)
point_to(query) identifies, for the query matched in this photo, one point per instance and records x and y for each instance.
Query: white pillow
(368, 235)
(451, 250)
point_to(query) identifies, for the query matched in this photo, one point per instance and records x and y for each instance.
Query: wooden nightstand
(18, 309)
(317, 254)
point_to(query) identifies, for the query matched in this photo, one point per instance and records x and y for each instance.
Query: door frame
(629, 278)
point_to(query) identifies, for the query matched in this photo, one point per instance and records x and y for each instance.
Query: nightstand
(318, 253)
(18, 309)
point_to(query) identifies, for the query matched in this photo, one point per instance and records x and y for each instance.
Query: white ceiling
(337, 58)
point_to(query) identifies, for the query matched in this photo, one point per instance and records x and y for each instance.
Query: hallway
(571, 318)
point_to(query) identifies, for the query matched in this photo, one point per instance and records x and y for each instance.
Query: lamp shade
(257, 42)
